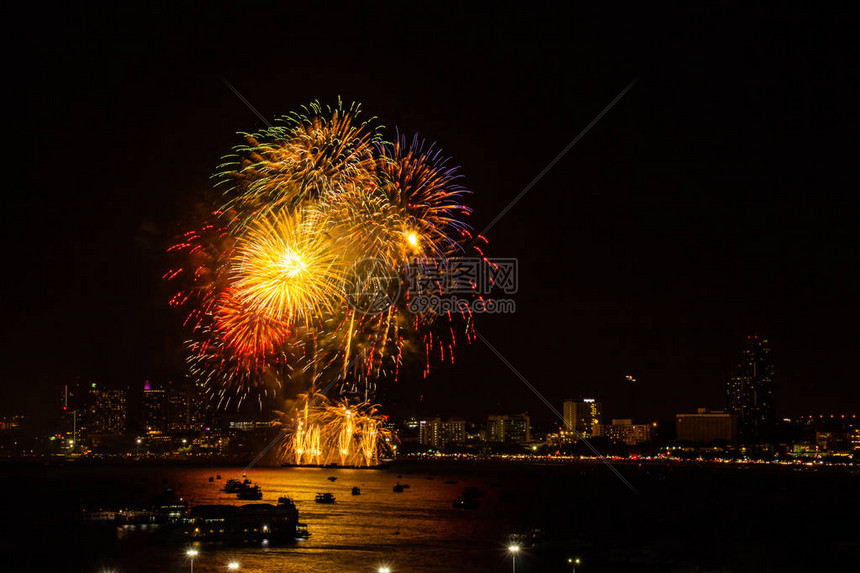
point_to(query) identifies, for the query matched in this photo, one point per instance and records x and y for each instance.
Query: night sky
(717, 199)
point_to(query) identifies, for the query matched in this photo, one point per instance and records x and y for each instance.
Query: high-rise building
(507, 428)
(73, 419)
(705, 427)
(582, 415)
(155, 409)
(437, 433)
(749, 391)
(108, 411)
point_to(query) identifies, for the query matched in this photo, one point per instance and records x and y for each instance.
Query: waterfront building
(508, 428)
(624, 431)
(749, 391)
(437, 433)
(581, 416)
(107, 412)
(155, 409)
(705, 427)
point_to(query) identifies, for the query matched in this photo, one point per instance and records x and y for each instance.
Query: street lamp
(384, 569)
(574, 562)
(192, 553)
(514, 549)
(233, 566)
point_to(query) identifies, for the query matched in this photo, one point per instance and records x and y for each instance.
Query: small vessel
(332, 479)
(398, 488)
(231, 484)
(356, 490)
(466, 502)
(324, 498)
(250, 493)
(218, 476)
(211, 479)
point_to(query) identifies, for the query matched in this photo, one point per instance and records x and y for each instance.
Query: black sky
(717, 199)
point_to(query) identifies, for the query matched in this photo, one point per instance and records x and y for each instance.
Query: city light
(514, 549)
(233, 566)
(192, 553)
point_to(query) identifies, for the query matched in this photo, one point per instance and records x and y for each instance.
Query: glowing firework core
(299, 275)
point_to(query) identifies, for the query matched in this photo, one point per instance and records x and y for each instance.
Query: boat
(466, 502)
(398, 488)
(356, 490)
(332, 479)
(250, 493)
(252, 523)
(211, 479)
(234, 485)
(218, 476)
(324, 498)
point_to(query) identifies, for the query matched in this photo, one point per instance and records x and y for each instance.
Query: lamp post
(191, 553)
(384, 569)
(233, 566)
(574, 562)
(514, 549)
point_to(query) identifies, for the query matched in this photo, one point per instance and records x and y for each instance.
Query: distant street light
(192, 553)
(384, 569)
(233, 566)
(575, 562)
(514, 549)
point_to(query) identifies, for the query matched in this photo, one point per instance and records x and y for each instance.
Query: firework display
(342, 433)
(303, 274)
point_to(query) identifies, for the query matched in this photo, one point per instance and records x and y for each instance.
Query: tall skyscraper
(749, 392)
(582, 415)
(108, 411)
(155, 409)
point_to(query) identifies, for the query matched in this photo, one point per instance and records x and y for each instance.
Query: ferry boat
(250, 493)
(324, 498)
(251, 523)
(356, 490)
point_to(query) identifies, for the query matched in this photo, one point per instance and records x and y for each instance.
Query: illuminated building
(706, 427)
(749, 392)
(74, 401)
(581, 416)
(624, 431)
(504, 428)
(108, 411)
(155, 409)
(437, 433)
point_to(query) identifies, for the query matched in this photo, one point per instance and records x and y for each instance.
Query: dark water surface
(682, 519)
